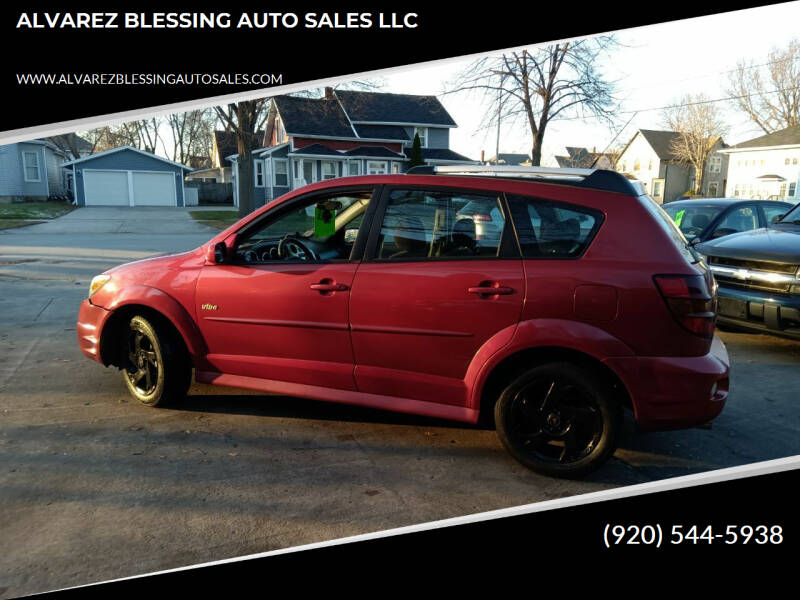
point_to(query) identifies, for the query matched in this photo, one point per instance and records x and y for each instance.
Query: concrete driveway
(94, 486)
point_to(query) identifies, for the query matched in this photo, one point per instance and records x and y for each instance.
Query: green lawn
(219, 219)
(34, 210)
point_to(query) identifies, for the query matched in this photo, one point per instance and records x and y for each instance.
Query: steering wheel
(291, 247)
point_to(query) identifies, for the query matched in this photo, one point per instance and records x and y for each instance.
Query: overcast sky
(655, 66)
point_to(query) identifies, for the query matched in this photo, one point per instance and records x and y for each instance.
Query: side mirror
(217, 254)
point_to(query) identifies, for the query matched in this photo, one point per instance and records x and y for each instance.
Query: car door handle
(324, 286)
(488, 290)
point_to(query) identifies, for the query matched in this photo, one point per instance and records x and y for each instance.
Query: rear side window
(549, 229)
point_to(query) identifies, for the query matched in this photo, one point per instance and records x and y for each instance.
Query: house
(649, 158)
(581, 158)
(224, 145)
(766, 167)
(31, 171)
(346, 133)
(509, 159)
(127, 176)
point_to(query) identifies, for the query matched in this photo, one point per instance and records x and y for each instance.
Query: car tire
(158, 370)
(558, 419)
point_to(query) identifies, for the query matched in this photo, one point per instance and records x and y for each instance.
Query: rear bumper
(675, 392)
(91, 319)
(761, 312)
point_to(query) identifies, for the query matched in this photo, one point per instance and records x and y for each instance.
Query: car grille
(754, 274)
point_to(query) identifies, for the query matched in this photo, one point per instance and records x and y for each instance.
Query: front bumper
(675, 392)
(762, 312)
(91, 319)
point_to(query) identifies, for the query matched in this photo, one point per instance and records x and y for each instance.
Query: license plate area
(731, 307)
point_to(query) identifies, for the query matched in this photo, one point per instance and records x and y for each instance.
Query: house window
(650, 165)
(328, 169)
(377, 167)
(737, 190)
(354, 168)
(715, 164)
(636, 165)
(422, 132)
(395, 168)
(713, 189)
(792, 189)
(658, 188)
(794, 161)
(30, 161)
(786, 162)
(281, 175)
(259, 173)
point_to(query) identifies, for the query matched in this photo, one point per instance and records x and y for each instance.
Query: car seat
(409, 238)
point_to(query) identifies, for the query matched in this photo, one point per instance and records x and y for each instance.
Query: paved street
(94, 486)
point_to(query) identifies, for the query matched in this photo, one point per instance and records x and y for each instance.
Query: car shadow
(290, 407)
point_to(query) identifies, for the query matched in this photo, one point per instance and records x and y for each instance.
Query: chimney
(328, 93)
(482, 160)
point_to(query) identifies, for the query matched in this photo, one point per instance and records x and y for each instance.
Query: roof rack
(596, 179)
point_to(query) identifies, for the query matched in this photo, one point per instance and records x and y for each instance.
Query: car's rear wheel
(558, 419)
(158, 369)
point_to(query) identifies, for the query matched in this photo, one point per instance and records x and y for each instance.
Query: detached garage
(127, 176)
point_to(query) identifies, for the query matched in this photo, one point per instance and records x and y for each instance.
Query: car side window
(743, 218)
(773, 212)
(430, 224)
(320, 228)
(548, 229)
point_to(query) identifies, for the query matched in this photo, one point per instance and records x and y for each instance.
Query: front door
(279, 310)
(441, 278)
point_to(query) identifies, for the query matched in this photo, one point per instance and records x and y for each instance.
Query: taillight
(691, 300)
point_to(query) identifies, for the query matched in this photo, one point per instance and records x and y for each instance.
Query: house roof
(120, 149)
(443, 154)
(785, 137)
(661, 142)
(509, 158)
(228, 145)
(374, 151)
(382, 132)
(383, 108)
(313, 117)
(316, 150)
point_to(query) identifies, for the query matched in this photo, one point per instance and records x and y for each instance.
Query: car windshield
(692, 219)
(793, 216)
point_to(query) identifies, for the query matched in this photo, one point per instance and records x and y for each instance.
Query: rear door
(431, 291)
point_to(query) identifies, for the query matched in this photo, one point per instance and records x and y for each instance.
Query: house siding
(11, 187)
(126, 160)
(745, 167)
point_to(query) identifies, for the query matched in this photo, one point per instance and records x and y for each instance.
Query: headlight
(97, 283)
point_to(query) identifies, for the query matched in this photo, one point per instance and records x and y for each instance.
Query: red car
(585, 301)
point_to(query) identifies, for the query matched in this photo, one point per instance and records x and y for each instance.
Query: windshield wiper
(792, 222)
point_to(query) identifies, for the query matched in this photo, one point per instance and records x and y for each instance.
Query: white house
(649, 158)
(766, 167)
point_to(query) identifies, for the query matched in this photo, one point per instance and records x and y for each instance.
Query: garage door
(153, 189)
(104, 188)
(110, 188)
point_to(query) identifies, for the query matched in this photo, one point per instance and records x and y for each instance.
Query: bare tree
(536, 86)
(769, 94)
(245, 119)
(701, 127)
(192, 132)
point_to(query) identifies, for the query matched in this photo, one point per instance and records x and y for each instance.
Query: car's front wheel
(558, 419)
(158, 369)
